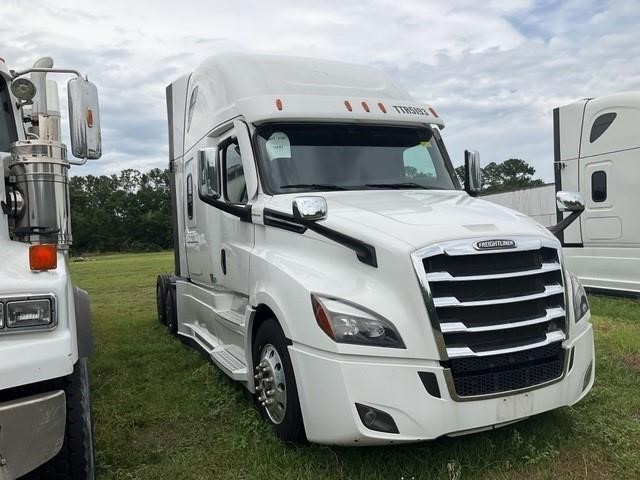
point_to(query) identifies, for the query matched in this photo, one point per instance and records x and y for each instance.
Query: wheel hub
(271, 385)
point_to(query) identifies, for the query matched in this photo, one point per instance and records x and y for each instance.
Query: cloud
(493, 70)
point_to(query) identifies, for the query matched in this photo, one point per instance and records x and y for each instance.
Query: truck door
(193, 238)
(610, 172)
(237, 234)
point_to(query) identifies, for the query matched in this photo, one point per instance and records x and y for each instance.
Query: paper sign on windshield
(278, 146)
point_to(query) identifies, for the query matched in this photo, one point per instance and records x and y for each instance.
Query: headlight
(580, 302)
(347, 323)
(29, 313)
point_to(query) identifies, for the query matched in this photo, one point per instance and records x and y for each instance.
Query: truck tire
(76, 458)
(171, 310)
(276, 394)
(162, 284)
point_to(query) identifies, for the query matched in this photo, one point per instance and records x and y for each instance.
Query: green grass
(161, 411)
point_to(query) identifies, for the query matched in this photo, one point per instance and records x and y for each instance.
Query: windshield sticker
(426, 144)
(278, 146)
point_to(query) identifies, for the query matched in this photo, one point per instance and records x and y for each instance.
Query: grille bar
(447, 277)
(551, 337)
(549, 290)
(459, 327)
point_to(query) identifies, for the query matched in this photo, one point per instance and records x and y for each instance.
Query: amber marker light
(43, 257)
(322, 317)
(365, 106)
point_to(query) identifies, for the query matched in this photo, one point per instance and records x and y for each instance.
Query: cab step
(222, 355)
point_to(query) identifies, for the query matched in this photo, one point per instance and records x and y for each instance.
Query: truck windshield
(7, 128)
(308, 157)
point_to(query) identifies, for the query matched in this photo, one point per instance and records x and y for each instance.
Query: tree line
(117, 213)
(512, 174)
(131, 212)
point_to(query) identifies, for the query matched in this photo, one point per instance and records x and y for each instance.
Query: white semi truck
(327, 258)
(45, 323)
(596, 153)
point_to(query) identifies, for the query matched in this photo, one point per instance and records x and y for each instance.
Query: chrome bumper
(31, 432)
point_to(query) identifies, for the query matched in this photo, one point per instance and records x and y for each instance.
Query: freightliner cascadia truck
(45, 324)
(328, 259)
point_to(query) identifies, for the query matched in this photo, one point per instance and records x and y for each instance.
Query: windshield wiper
(315, 186)
(399, 186)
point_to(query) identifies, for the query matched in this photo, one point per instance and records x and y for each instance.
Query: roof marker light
(43, 257)
(279, 104)
(365, 106)
(382, 109)
(348, 105)
(433, 112)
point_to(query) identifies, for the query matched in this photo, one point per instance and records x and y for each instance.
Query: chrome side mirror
(84, 119)
(208, 172)
(472, 172)
(310, 208)
(567, 202)
(570, 201)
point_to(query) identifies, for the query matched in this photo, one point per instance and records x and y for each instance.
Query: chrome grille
(488, 305)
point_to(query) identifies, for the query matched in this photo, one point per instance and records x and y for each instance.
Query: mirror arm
(564, 223)
(16, 74)
(82, 161)
(365, 252)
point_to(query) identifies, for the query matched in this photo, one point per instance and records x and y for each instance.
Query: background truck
(327, 258)
(596, 152)
(45, 323)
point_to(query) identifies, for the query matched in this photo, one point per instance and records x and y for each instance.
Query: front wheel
(276, 392)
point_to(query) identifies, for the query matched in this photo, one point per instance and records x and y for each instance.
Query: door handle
(223, 261)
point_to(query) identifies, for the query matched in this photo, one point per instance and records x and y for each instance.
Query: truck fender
(83, 322)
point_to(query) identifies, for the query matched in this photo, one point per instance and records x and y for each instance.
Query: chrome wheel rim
(271, 384)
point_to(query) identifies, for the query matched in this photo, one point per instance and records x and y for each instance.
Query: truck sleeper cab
(595, 153)
(327, 258)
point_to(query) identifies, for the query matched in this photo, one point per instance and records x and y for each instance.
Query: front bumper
(31, 432)
(330, 385)
(35, 357)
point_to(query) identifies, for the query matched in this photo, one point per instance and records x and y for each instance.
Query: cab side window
(235, 187)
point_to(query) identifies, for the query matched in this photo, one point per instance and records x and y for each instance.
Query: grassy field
(161, 411)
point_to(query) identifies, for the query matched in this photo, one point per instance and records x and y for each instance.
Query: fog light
(375, 419)
(29, 313)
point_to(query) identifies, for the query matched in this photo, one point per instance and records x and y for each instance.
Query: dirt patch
(632, 360)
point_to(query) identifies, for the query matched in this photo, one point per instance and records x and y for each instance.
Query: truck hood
(417, 218)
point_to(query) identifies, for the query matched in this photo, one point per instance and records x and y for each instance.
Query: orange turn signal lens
(43, 257)
(322, 317)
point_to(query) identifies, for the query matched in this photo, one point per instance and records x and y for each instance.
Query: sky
(494, 70)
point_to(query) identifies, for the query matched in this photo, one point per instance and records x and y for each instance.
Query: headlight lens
(29, 313)
(580, 302)
(346, 323)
